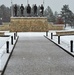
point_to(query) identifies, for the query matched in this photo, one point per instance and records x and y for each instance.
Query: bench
(2, 34)
(62, 33)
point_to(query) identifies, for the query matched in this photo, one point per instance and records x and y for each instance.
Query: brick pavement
(39, 56)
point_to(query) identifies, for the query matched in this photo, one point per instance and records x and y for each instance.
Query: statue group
(28, 10)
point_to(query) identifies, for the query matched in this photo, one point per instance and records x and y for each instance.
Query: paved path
(39, 56)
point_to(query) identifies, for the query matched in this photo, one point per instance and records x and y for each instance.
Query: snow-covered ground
(31, 34)
(3, 54)
(65, 42)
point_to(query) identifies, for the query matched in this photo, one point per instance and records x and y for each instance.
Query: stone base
(28, 24)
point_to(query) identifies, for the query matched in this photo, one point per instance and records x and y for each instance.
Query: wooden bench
(2, 34)
(62, 33)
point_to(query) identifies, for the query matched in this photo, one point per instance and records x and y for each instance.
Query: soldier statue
(15, 10)
(22, 10)
(42, 9)
(28, 10)
(35, 10)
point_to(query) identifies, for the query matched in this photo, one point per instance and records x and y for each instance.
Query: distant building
(59, 21)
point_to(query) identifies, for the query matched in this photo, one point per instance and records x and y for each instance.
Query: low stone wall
(4, 27)
(28, 24)
(52, 26)
(5, 23)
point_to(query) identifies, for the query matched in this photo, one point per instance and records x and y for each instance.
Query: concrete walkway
(39, 56)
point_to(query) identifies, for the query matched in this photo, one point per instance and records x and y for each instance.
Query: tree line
(66, 16)
(5, 12)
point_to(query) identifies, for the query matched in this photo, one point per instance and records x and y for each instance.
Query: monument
(15, 10)
(41, 10)
(35, 10)
(22, 10)
(29, 23)
(28, 10)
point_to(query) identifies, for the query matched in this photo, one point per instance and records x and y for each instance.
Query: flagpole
(27, 2)
(43, 2)
(11, 8)
(43, 5)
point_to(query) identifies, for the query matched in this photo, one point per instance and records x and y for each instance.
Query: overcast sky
(55, 5)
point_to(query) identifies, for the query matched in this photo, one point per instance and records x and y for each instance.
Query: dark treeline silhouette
(67, 16)
(4, 13)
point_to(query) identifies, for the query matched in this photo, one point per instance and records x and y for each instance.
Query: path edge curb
(59, 46)
(9, 57)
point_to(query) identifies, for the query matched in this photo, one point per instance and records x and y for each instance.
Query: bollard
(46, 33)
(58, 39)
(51, 35)
(71, 47)
(12, 40)
(7, 47)
(16, 33)
(14, 36)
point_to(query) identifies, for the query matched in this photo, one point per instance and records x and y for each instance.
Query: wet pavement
(39, 56)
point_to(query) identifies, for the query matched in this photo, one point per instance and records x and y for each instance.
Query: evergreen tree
(66, 14)
(49, 14)
(4, 13)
